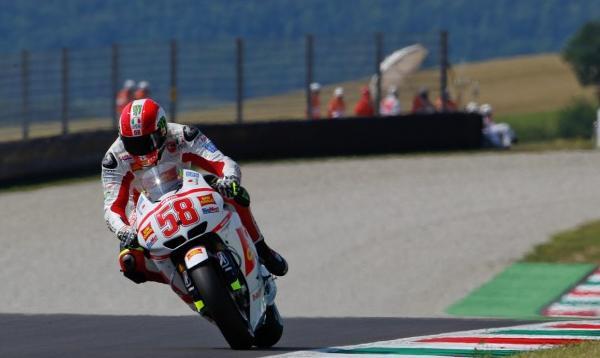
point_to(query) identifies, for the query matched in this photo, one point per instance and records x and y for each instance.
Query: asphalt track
(189, 336)
(385, 236)
(390, 236)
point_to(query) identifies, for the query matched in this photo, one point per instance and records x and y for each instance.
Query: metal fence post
(25, 93)
(443, 67)
(173, 90)
(65, 91)
(239, 44)
(309, 60)
(378, 60)
(115, 84)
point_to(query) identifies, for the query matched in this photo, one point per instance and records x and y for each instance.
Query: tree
(583, 53)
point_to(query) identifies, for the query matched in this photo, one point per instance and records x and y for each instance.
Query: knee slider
(130, 261)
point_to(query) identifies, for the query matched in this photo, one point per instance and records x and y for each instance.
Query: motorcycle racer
(146, 139)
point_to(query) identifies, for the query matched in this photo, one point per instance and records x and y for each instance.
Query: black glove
(128, 238)
(228, 186)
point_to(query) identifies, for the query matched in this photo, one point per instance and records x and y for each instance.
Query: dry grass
(525, 84)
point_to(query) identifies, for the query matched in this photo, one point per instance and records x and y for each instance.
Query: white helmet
(338, 92)
(472, 107)
(485, 109)
(129, 84)
(315, 86)
(143, 85)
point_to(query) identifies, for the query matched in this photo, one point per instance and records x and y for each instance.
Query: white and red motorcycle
(198, 243)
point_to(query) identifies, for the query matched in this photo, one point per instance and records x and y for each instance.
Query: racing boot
(274, 262)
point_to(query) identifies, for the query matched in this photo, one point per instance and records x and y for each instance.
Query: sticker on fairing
(210, 146)
(195, 256)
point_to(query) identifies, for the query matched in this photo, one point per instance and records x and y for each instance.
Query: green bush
(577, 119)
(533, 127)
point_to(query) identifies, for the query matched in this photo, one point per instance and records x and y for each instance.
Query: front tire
(221, 307)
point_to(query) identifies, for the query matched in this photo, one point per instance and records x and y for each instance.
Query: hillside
(478, 29)
(517, 85)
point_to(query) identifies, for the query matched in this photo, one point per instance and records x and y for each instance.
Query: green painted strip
(428, 352)
(591, 283)
(562, 332)
(521, 290)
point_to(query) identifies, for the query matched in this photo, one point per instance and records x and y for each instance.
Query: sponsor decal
(193, 174)
(136, 121)
(207, 200)
(249, 261)
(136, 110)
(224, 262)
(109, 161)
(193, 252)
(208, 145)
(210, 210)
(152, 242)
(147, 231)
(187, 282)
(125, 156)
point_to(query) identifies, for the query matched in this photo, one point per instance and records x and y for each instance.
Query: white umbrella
(396, 67)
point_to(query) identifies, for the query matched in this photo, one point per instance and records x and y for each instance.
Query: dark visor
(143, 145)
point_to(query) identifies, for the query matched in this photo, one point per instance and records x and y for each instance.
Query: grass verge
(578, 245)
(533, 127)
(583, 350)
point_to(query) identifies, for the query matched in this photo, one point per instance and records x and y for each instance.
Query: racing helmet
(143, 130)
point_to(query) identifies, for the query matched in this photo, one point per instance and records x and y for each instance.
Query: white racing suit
(184, 146)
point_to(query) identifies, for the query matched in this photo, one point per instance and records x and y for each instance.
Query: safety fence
(242, 80)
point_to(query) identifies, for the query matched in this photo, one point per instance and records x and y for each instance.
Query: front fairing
(178, 212)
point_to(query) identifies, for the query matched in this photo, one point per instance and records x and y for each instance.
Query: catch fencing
(242, 80)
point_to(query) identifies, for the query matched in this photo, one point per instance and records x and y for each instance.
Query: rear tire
(221, 307)
(270, 332)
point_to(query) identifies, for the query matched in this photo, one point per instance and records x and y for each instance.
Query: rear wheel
(221, 307)
(271, 330)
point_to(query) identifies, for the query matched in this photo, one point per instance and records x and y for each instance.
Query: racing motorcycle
(202, 249)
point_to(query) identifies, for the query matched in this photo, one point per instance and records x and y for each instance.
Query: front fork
(230, 274)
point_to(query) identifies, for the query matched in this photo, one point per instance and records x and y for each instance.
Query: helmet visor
(145, 144)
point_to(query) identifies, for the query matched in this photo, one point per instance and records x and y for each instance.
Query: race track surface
(144, 336)
(390, 236)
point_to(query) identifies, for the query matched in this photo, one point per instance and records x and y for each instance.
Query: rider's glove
(228, 186)
(128, 238)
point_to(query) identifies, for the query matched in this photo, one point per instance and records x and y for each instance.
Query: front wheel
(221, 307)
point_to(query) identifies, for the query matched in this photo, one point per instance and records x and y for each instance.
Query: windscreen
(159, 180)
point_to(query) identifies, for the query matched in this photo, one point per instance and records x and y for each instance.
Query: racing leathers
(184, 146)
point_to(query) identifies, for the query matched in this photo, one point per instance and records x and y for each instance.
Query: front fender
(195, 256)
